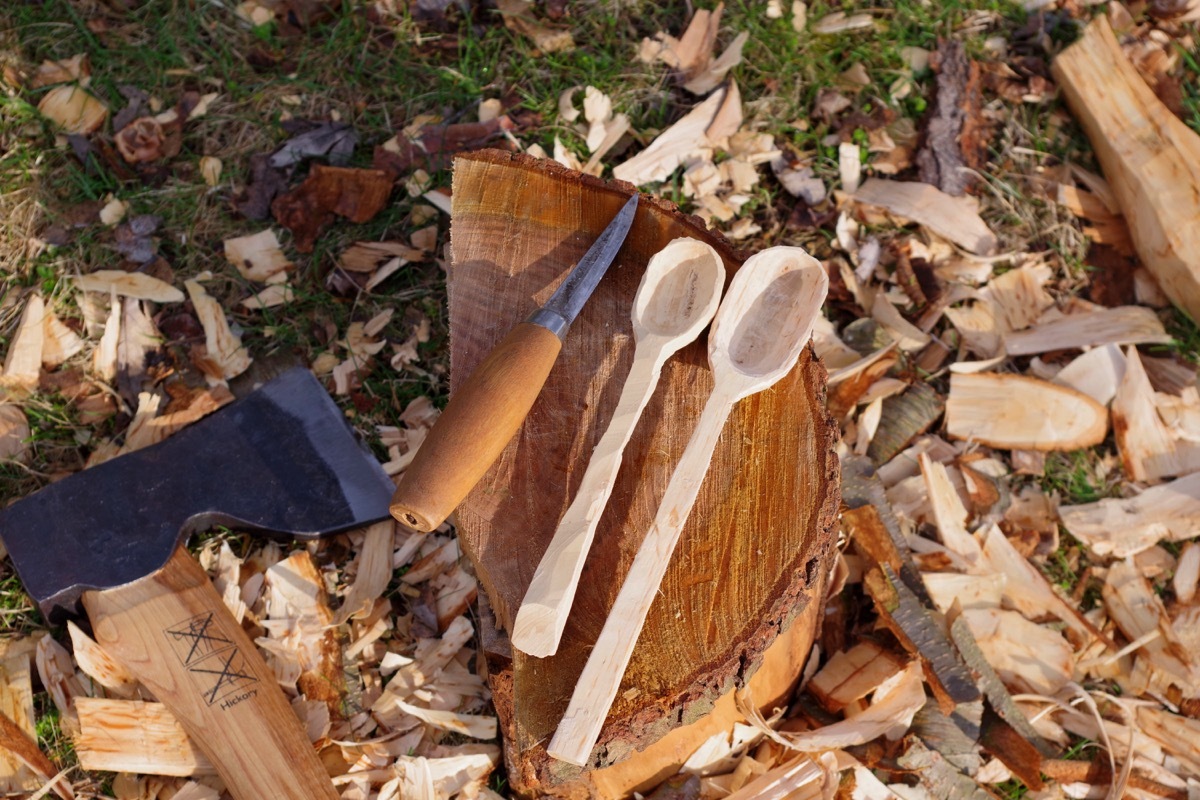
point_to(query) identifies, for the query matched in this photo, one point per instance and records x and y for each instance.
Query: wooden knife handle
(481, 418)
(171, 630)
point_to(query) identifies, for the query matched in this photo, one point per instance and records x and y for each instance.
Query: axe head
(281, 461)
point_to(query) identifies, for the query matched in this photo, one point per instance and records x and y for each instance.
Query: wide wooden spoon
(675, 301)
(760, 329)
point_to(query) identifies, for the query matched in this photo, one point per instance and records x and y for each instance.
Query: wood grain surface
(758, 542)
(172, 631)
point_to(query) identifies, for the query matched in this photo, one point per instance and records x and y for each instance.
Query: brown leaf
(265, 184)
(357, 194)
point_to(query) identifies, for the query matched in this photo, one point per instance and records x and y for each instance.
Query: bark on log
(741, 597)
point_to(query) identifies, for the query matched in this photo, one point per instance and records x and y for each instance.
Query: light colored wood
(1149, 156)
(1154, 443)
(1121, 325)
(171, 630)
(135, 736)
(770, 687)
(1015, 412)
(762, 325)
(752, 557)
(954, 218)
(16, 703)
(676, 300)
(1126, 526)
(483, 415)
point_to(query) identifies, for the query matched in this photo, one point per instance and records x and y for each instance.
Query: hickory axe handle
(171, 630)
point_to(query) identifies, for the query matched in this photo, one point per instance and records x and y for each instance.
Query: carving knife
(485, 413)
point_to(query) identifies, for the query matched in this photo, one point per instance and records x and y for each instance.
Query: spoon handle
(543, 613)
(580, 726)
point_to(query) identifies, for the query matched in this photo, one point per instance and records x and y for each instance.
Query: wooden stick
(761, 327)
(678, 296)
(171, 630)
(1150, 157)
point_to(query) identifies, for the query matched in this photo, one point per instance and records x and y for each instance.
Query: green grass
(378, 78)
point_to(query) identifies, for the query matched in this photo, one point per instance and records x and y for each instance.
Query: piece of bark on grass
(954, 136)
(684, 662)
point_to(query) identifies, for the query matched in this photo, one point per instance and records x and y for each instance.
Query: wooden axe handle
(482, 416)
(171, 630)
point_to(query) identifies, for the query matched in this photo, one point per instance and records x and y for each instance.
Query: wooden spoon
(756, 339)
(675, 301)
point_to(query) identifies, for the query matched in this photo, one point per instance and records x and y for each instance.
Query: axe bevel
(281, 461)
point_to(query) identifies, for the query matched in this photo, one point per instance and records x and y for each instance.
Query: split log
(1016, 412)
(1150, 157)
(742, 593)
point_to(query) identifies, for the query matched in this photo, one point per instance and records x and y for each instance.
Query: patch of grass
(1078, 476)
(1185, 334)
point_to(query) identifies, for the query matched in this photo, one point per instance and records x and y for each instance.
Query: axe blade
(281, 461)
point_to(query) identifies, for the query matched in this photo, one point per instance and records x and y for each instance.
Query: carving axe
(281, 461)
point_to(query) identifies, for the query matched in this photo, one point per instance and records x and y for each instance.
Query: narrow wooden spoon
(675, 301)
(760, 329)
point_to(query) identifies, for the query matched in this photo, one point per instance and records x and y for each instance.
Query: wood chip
(14, 433)
(1122, 325)
(696, 131)
(258, 256)
(99, 665)
(1122, 527)
(18, 773)
(300, 623)
(104, 357)
(1097, 373)
(894, 702)
(23, 363)
(277, 294)
(373, 571)
(1150, 448)
(953, 218)
(59, 342)
(1139, 613)
(129, 284)
(135, 736)
(226, 357)
(852, 674)
(1016, 412)
(1028, 657)
(477, 727)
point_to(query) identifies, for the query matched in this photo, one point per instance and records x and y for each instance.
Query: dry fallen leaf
(357, 194)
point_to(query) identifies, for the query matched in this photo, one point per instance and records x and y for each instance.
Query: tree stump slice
(752, 560)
